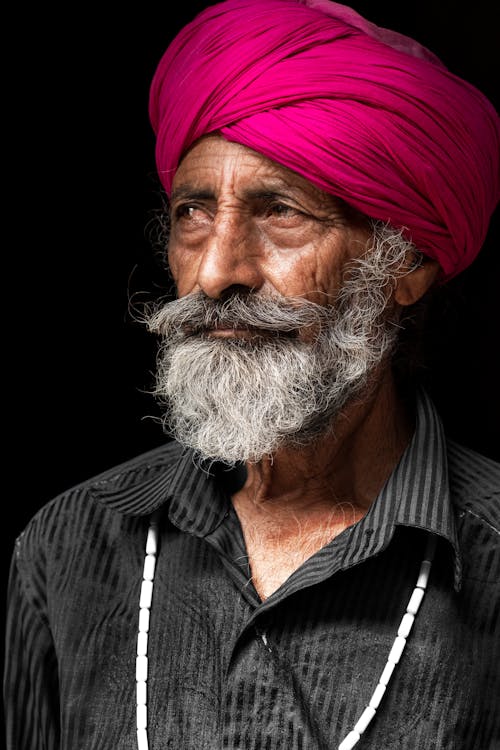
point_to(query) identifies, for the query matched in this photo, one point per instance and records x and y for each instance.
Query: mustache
(197, 314)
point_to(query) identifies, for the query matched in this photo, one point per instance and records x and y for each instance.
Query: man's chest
(226, 672)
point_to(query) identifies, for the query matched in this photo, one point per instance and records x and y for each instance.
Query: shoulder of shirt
(474, 484)
(137, 469)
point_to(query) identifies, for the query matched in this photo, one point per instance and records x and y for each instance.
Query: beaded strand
(141, 660)
(396, 651)
(146, 597)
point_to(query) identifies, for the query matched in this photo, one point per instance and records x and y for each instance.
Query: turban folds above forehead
(364, 113)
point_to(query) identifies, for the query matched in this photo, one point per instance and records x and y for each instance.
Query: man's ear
(413, 285)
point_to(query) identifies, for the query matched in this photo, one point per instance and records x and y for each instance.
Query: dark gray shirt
(229, 671)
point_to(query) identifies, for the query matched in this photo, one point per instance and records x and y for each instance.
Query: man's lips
(237, 332)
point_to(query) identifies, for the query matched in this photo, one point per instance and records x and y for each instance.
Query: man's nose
(230, 258)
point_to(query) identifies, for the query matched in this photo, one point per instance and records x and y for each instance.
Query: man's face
(270, 337)
(240, 220)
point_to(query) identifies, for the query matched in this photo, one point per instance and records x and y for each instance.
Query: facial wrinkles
(298, 253)
(224, 175)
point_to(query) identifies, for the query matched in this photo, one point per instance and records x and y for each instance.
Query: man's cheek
(183, 272)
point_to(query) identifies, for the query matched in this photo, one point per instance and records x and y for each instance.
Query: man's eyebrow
(274, 187)
(188, 191)
(267, 193)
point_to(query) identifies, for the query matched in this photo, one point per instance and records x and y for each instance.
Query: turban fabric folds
(364, 113)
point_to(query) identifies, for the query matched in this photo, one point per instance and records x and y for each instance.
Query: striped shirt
(227, 670)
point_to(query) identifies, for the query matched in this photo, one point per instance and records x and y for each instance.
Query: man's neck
(296, 502)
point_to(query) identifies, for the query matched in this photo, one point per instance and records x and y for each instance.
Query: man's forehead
(214, 161)
(214, 154)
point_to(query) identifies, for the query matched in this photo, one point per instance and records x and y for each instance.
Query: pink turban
(364, 113)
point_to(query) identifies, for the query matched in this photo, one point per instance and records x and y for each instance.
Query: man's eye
(190, 213)
(281, 210)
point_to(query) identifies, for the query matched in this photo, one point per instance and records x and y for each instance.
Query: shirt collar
(420, 485)
(172, 475)
(416, 493)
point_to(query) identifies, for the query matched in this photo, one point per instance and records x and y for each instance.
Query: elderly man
(309, 563)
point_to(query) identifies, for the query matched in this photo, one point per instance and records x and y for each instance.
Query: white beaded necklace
(141, 669)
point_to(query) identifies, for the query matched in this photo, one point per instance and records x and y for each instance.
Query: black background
(82, 191)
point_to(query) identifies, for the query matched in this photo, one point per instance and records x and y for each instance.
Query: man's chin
(226, 441)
